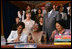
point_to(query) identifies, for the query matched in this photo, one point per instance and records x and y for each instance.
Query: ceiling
(23, 4)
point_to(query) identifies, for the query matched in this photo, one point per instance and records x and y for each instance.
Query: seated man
(17, 35)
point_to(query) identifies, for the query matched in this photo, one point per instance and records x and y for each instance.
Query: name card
(26, 45)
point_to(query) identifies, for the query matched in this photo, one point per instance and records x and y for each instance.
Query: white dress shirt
(49, 13)
(19, 15)
(34, 10)
(64, 16)
(68, 9)
(13, 35)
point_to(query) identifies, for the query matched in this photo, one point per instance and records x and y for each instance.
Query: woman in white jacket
(17, 35)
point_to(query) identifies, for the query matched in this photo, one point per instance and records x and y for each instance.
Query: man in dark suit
(49, 20)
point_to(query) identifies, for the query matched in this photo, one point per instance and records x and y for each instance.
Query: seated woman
(37, 36)
(16, 36)
(60, 30)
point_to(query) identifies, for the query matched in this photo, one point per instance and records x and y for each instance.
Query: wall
(9, 14)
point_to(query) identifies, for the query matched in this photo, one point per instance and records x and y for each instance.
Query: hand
(31, 41)
(16, 40)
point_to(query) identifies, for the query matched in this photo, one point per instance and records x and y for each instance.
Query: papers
(26, 45)
(14, 42)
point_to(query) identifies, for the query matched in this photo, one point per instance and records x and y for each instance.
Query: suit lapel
(52, 14)
(49, 16)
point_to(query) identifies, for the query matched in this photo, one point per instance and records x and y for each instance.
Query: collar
(63, 32)
(51, 11)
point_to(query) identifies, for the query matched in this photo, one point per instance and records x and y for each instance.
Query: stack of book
(3, 41)
(62, 40)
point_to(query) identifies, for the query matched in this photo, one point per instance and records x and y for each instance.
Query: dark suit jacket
(49, 23)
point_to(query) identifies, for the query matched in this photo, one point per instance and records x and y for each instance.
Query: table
(52, 46)
(41, 46)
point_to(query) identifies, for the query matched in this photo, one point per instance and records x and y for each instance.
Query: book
(62, 43)
(62, 40)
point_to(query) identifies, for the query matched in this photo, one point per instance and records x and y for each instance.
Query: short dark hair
(40, 17)
(15, 18)
(62, 23)
(38, 10)
(22, 24)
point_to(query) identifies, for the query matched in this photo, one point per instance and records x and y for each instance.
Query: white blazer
(13, 35)
(68, 9)
(64, 16)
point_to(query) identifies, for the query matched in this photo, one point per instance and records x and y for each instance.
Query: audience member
(69, 6)
(29, 23)
(63, 15)
(40, 23)
(38, 14)
(21, 14)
